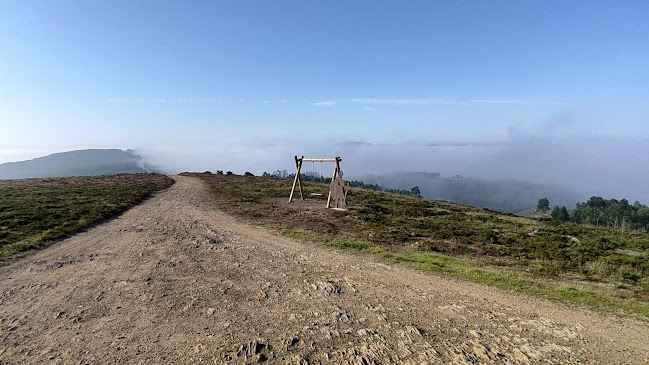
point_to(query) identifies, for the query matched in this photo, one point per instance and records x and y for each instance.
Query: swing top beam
(321, 159)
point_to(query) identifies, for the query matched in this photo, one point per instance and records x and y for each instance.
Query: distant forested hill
(76, 163)
(509, 196)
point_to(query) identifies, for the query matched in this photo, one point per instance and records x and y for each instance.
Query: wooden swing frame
(297, 181)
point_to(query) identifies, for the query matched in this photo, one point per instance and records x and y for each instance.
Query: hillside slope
(599, 266)
(176, 281)
(90, 162)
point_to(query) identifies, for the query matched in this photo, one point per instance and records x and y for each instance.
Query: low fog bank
(576, 167)
(504, 195)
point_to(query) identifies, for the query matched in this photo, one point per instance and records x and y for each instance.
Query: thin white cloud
(137, 101)
(368, 102)
(424, 101)
(324, 103)
(162, 101)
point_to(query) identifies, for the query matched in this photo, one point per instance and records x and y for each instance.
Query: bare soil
(175, 280)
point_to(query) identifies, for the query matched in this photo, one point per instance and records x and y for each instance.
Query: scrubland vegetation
(599, 266)
(34, 211)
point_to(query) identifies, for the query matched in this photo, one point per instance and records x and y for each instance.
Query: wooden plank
(321, 159)
(338, 174)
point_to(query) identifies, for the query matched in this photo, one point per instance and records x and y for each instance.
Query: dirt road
(175, 281)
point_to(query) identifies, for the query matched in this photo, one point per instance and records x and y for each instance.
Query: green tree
(560, 214)
(564, 216)
(642, 217)
(543, 205)
(556, 212)
(597, 204)
(614, 213)
(415, 191)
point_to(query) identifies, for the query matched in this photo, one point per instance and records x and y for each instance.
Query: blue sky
(243, 74)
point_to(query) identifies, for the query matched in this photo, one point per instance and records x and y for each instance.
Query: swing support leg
(297, 180)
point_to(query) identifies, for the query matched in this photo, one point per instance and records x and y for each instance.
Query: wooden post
(296, 180)
(299, 179)
(336, 168)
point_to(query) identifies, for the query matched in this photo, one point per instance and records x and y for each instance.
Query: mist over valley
(505, 176)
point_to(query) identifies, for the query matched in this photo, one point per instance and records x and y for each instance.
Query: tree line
(598, 211)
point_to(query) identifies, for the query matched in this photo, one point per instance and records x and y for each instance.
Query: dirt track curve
(176, 281)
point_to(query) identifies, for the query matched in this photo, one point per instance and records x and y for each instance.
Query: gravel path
(176, 281)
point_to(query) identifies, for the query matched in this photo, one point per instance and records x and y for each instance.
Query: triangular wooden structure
(297, 181)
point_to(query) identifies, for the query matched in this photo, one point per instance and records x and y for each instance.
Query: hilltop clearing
(175, 280)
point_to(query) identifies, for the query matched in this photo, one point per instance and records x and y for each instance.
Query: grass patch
(349, 243)
(469, 270)
(34, 211)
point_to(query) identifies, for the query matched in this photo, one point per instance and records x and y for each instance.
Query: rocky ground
(176, 281)
(535, 213)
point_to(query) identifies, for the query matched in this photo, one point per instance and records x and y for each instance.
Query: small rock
(99, 296)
